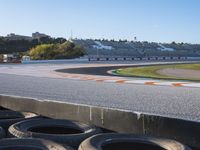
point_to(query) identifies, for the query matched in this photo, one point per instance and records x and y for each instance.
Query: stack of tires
(114, 141)
(66, 132)
(28, 131)
(9, 117)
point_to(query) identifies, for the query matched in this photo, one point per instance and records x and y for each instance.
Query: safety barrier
(116, 120)
(110, 58)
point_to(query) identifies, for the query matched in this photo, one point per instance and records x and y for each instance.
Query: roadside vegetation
(1, 58)
(43, 48)
(17, 46)
(66, 50)
(152, 71)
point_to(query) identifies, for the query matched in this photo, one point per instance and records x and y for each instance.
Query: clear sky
(149, 20)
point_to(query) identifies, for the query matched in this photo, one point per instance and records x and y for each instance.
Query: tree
(174, 43)
(44, 51)
(60, 40)
(12, 46)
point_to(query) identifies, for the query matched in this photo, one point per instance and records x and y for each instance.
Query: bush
(65, 50)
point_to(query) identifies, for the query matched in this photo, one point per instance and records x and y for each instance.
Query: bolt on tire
(8, 117)
(62, 131)
(30, 144)
(129, 142)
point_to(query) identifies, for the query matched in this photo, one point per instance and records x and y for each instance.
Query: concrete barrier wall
(120, 121)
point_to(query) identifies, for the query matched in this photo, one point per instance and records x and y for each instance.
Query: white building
(35, 35)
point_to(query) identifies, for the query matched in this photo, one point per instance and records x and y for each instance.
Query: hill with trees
(14, 46)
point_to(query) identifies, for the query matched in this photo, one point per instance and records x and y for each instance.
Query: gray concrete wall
(117, 120)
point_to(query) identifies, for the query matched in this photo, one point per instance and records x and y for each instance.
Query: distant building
(26, 58)
(35, 35)
(13, 36)
(38, 35)
(8, 58)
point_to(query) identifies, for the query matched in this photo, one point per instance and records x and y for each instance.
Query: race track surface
(90, 70)
(178, 102)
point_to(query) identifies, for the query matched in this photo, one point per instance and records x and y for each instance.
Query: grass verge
(151, 71)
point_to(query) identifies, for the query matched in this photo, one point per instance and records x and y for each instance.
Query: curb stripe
(120, 80)
(179, 84)
(150, 83)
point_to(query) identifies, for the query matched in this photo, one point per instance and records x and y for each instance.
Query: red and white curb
(123, 80)
(48, 71)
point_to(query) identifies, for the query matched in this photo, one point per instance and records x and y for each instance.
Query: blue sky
(149, 20)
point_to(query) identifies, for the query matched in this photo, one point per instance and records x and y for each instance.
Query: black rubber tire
(2, 133)
(8, 117)
(30, 144)
(55, 130)
(3, 108)
(129, 142)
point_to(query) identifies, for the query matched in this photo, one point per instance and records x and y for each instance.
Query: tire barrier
(62, 131)
(30, 144)
(119, 121)
(2, 133)
(8, 117)
(129, 142)
(3, 109)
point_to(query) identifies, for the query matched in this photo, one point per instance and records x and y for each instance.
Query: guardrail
(136, 58)
(55, 61)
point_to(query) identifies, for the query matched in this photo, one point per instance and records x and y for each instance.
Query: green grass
(151, 71)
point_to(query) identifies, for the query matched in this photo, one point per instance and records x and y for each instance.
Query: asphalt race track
(37, 81)
(102, 71)
(90, 70)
